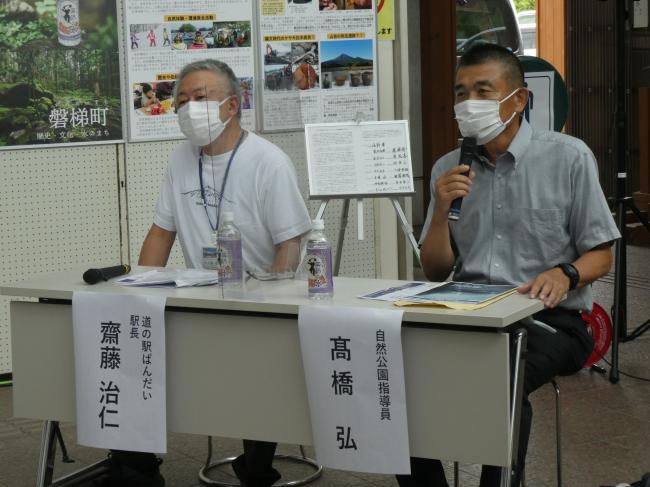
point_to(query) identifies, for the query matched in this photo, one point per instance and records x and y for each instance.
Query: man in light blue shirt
(533, 215)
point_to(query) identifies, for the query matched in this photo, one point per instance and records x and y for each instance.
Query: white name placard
(359, 159)
(119, 346)
(354, 372)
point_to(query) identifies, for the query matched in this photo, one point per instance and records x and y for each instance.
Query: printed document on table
(171, 278)
(404, 291)
(460, 295)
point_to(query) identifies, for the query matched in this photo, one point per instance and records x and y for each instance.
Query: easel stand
(45, 475)
(406, 226)
(623, 202)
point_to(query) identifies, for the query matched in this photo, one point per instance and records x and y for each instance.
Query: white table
(234, 367)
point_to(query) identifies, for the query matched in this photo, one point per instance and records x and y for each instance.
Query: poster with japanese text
(120, 381)
(60, 73)
(318, 61)
(354, 372)
(386, 20)
(162, 36)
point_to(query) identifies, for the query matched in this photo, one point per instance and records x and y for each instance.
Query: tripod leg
(64, 450)
(46, 456)
(321, 210)
(619, 309)
(407, 228)
(339, 244)
(208, 460)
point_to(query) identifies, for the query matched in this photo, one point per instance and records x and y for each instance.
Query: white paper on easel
(119, 346)
(359, 159)
(354, 373)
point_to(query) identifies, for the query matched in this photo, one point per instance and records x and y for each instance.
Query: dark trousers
(254, 468)
(548, 355)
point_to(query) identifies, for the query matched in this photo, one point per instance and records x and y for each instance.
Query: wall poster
(162, 37)
(318, 61)
(60, 73)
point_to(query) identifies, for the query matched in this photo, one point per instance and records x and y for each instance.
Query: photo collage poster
(162, 37)
(60, 73)
(319, 62)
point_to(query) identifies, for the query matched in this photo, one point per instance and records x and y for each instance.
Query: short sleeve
(283, 207)
(164, 212)
(591, 222)
(441, 165)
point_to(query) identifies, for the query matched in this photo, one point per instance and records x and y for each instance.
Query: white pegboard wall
(58, 210)
(146, 163)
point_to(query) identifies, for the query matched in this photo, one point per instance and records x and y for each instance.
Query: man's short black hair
(484, 52)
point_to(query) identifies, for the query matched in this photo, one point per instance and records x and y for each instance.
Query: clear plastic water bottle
(209, 254)
(320, 284)
(229, 254)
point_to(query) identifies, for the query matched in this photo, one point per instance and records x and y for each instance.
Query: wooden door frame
(438, 61)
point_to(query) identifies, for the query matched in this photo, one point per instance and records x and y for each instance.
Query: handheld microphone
(93, 276)
(467, 154)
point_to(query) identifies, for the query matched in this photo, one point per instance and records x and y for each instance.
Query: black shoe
(131, 469)
(258, 479)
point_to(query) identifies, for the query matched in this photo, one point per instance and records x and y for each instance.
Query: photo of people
(247, 99)
(232, 34)
(149, 36)
(331, 5)
(290, 66)
(277, 66)
(191, 35)
(153, 98)
(347, 63)
(180, 36)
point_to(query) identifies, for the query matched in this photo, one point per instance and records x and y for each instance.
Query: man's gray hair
(215, 66)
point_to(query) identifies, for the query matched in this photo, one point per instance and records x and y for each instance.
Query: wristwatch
(572, 273)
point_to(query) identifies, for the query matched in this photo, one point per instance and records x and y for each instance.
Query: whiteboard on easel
(367, 159)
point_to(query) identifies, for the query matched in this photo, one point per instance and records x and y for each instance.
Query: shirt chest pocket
(543, 235)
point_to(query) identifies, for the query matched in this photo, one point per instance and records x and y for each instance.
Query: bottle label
(209, 258)
(68, 22)
(319, 269)
(229, 261)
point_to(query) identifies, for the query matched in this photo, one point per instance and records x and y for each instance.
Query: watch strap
(572, 273)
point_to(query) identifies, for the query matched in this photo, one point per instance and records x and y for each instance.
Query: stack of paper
(454, 295)
(171, 278)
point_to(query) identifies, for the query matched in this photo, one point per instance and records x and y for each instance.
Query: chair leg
(558, 433)
(301, 459)
(558, 439)
(456, 475)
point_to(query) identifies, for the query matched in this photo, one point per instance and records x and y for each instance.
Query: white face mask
(200, 121)
(481, 119)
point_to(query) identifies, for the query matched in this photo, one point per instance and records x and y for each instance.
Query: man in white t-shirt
(223, 168)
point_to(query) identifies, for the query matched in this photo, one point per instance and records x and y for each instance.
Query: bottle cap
(318, 224)
(228, 216)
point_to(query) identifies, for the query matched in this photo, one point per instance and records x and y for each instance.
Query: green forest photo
(61, 78)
